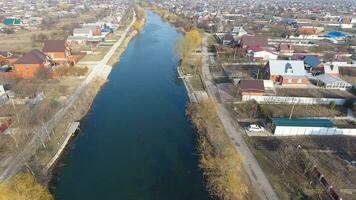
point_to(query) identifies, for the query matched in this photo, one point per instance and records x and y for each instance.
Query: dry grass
(287, 169)
(97, 55)
(220, 162)
(71, 71)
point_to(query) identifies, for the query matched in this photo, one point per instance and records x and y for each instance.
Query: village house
(57, 50)
(83, 32)
(249, 41)
(28, 65)
(286, 72)
(6, 57)
(286, 48)
(261, 54)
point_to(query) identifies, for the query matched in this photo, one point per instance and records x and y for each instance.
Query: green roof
(12, 21)
(302, 122)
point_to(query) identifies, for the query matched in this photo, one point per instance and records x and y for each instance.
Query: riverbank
(43, 163)
(221, 164)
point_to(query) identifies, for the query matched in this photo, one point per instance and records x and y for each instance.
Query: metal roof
(328, 79)
(287, 67)
(302, 122)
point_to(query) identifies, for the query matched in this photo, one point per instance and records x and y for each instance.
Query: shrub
(332, 105)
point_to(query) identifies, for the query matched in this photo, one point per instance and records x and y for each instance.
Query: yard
(313, 92)
(252, 112)
(288, 173)
(97, 55)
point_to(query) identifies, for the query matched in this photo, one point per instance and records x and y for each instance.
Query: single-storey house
(262, 54)
(83, 32)
(248, 41)
(286, 72)
(251, 88)
(73, 41)
(286, 48)
(228, 39)
(28, 65)
(57, 50)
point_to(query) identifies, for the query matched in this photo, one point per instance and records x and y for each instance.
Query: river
(136, 142)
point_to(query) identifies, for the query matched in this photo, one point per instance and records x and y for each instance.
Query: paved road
(262, 186)
(19, 160)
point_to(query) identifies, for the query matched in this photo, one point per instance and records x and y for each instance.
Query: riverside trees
(218, 159)
(23, 187)
(186, 47)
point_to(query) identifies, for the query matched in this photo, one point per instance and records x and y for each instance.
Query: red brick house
(28, 65)
(286, 72)
(57, 50)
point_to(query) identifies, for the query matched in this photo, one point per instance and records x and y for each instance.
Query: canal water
(136, 142)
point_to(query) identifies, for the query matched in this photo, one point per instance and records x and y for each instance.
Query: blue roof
(335, 34)
(311, 61)
(302, 122)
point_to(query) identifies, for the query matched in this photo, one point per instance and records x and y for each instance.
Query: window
(288, 68)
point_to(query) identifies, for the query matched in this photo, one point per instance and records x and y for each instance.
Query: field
(97, 54)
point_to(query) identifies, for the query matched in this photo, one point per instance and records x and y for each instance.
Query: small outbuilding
(251, 87)
(288, 127)
(333, 82)
(311, 61)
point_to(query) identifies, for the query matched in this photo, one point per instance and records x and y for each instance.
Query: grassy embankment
(220, 162)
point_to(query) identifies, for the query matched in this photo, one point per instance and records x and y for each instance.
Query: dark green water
(136, 142)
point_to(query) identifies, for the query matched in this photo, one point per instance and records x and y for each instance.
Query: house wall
(252, 93)
(296, 130)
(293, 100)
(58, 57)
(296, 81)
(27, 71)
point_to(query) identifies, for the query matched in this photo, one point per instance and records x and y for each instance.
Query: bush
(332, 105)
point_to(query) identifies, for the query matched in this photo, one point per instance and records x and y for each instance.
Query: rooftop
(303, 122)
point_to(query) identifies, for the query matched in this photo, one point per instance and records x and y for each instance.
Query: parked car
(255, 128)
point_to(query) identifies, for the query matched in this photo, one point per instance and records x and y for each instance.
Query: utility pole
(291, 112)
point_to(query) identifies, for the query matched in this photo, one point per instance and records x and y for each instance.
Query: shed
(251, 87)
(311, 61)
(288, 127)
(333, 81)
